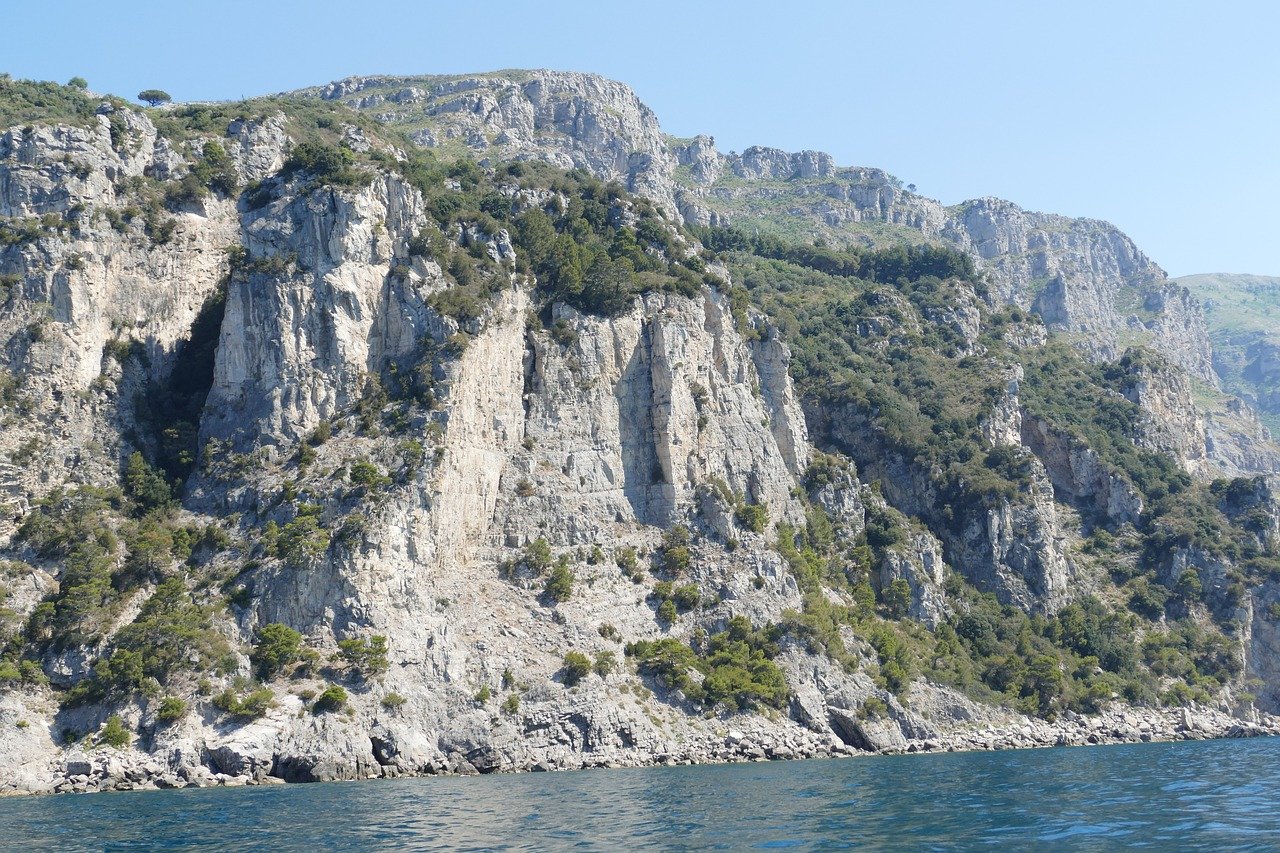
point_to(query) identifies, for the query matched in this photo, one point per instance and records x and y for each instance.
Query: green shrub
(216, 170)
(606, 663)
(1188, 587)
(753, 517)
(484, 694)
(737, 667)
(393, 701)
(31, 102)
(146, 485)
(9, 672)
(252, 705)
(686, 596)
(320, 434)
(1147, 598)
(171, 634)
(302, 540)
(897, 598)
(368, 655)
(676, 559)
(114, 733)
(668, 659)
(326, 164)
(429, 243)
(511, 705)
(366, 474)
(667, 611)
(559, 585)
(576, 666)
(537, 556)
(278, 646)
(171, 710)
(626, 560)
(332, 698)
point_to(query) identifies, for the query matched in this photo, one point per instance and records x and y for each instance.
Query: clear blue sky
(1162, 117)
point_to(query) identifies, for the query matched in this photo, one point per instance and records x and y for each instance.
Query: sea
(1200, 795)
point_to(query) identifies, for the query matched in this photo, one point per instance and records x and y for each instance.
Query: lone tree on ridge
(154, 97)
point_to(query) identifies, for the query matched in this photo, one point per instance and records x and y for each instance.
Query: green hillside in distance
(1243, 314)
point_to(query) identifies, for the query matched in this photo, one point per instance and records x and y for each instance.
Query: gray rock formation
(1080, 477)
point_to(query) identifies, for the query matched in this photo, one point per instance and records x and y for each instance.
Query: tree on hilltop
(154, 97)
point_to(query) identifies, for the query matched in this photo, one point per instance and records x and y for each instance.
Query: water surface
(1196, 795)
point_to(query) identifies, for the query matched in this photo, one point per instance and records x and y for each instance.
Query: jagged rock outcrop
(1238, 442)
(1080, 477)
(1009, 547)
(572, 120)
(87, 291)
(1239, 312)
(1262, 651)
(1080, 275)
(300, 341)
(919, 562)
(1172, 424)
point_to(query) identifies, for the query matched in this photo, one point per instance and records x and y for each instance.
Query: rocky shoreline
(130, 770)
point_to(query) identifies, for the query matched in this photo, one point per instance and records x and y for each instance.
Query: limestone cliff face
(594, 439)
(586, 444)
(1009, 547)
(628, 419)
(1082, 276)
(84, 286)
(376, 466)
(1238, 442)
(1081, 478)
(300, 342)
(1172, 424)
(1239, 311)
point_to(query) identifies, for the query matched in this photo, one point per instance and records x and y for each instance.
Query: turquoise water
(1197, 795)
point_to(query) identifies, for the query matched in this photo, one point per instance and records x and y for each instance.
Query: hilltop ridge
(1081, 275)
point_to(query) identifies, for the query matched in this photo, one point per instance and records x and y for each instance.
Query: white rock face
(89, 284)
(1082, 276)
(1172, 424)
(297, 347)
(602, 441)
(919, 562)
(631, 417)
(572, 120)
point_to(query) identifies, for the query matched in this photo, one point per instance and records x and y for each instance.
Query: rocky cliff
(325, 458)
(588, 443)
